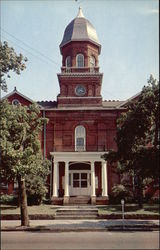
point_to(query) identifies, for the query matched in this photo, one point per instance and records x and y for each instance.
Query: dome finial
(80, 13)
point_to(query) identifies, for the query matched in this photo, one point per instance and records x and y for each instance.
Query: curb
(57, 230)
(100, 217)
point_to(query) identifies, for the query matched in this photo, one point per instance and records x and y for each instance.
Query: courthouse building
(81, 127)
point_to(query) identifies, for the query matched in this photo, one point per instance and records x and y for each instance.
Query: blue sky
(127, 31)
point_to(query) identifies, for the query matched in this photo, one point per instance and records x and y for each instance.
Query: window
(68, 61)
(80, 138)
(3, 185)
(15, 102)
(92, 61)
(80, 60)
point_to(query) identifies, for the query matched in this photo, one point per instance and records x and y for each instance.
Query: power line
(37, 51)
(27, 50)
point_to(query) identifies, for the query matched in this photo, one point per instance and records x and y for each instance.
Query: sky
(127, 31)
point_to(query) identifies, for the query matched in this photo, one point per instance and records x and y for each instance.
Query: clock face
(80, 90)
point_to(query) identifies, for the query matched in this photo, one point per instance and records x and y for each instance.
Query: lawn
(130, 209)
(41, 209)
(103, 210)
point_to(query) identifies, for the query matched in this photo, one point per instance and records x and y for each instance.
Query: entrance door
(80, 182)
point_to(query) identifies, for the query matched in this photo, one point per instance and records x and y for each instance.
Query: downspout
(44, 137)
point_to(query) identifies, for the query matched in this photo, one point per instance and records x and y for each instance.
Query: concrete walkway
(81, 225)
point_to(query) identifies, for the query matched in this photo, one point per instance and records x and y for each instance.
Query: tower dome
(80, 29)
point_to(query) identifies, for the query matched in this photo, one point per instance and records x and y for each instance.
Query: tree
(9, 61)
(36, 185)
(20, 147)
(138, 137)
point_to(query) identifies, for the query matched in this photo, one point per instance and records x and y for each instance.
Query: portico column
(55, 182)
(104, 179)
(66, 190)
(93, 193)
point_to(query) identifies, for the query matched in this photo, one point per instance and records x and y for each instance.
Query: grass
(130, 209)
(108, 209)
(41, 209)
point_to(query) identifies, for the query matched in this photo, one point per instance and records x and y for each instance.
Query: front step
(78, 212)
(82, 200)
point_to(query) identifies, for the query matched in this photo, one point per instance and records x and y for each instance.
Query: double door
(79, 182)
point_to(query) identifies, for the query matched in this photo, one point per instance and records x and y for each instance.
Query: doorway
(79, 182)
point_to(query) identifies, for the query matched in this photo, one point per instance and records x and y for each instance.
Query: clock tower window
(92, 61)
(80, 60)
(68, 61)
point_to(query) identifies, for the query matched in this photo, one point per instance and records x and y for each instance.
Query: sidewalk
(81, 225)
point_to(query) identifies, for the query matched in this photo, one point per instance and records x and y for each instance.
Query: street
(82, 240)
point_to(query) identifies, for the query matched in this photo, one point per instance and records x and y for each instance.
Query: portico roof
(77, 156)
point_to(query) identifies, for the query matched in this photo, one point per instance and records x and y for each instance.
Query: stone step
(67, 217)
(79, 200)
(78, 212)
(74, 213)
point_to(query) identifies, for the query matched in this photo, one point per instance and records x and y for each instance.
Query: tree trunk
(140, 193)
(23, 202)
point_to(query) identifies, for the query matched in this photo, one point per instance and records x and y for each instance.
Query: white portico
(79, 175)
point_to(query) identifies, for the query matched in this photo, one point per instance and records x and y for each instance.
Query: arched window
(92, 61)
(80, 60)
(80, 138)
(68, 61)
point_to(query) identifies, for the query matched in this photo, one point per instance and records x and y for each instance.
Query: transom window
(92, 61)
(80, 138)
(80, 60)
(68, 61)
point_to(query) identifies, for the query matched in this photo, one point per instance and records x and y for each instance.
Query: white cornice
(79, 74)
(83, 108)
(79, 97)
(74, 156)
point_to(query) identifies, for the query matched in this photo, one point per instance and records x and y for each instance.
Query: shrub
(8, 199)
(120, 192)
(36, 190)
(36, 184)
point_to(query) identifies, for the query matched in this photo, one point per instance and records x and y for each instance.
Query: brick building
(81, 126)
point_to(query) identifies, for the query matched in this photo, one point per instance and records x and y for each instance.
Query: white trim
(128, 100)
(79, 97)
(77, 156)
(84, 108)
(18, 93)
(83, 74)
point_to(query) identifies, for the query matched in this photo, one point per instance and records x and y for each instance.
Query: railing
(72, 148)
(67, 70)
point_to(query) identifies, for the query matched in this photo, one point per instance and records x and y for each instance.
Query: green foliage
(8, 199)
(36, 184)
(9, 61)
(120, 192)
(20, 147)
(19, 142)
(137, 134)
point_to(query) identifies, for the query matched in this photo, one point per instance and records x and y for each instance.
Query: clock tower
(80, 80)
